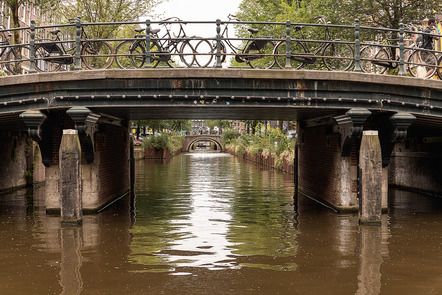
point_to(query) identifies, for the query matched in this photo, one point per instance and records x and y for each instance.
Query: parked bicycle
(380, 57)
(50, 55)
(15, 58)
(256, 52)
(336, 56)
(163, 50)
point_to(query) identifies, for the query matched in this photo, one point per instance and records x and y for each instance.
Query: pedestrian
(428, 44)
(428, 40)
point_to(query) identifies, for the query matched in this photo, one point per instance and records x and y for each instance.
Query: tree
(181, 125)
(93, 11)
(376, 13)
(14, 5)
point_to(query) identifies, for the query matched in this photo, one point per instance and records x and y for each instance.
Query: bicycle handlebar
(233, 17)
(174, 18)
(321, 18)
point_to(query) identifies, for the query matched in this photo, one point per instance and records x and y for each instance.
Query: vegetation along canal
(210, 223)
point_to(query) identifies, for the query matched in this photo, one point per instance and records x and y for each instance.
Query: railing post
(401, 51)
(147, 53)
(288, 40)
(357, 47)
(218, 44)
(32, 48)
(77, 65)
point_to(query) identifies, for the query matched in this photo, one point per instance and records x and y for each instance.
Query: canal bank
(284, 163)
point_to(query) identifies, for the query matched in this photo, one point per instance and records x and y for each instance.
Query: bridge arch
(189, 141)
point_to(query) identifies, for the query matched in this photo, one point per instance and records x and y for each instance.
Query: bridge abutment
(324, 172)
(332, 160)
(105, 173)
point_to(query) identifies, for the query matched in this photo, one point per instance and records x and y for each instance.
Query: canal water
(210, 223)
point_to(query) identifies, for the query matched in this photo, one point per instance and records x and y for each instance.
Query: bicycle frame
(254, 43)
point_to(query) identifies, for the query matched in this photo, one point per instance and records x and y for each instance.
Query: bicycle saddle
(299, 28)
(55, 32)
(253, 31)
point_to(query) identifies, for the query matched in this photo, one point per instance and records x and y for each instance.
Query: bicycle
(335, 56)
(257, 51)
(132, 53)
(15, 55)
(50, 55)
(378, 57)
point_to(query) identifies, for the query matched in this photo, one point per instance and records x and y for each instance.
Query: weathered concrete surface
(70, 178)
(12, 160)
(417, 166)
(370, 165)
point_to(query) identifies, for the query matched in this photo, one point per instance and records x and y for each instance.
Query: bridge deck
(219, 94)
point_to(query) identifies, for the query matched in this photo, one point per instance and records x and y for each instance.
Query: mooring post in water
(370, 167)
(70, 178)
(132, 173)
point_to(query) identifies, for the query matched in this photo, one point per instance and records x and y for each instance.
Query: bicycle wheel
(439, 65)
(258, 55)
(188, 53)
(97, 55)
(17, 59)
(196, 54)
(422, 64)
(337, 56)
(372, 57)
(43, 61)
(138, 54)
(123, 55)
(297, 50)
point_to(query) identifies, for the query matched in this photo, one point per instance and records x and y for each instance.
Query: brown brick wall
(319, 164)
(12, 160)
(112, 142)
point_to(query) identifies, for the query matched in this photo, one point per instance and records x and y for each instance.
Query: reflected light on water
(226, 211)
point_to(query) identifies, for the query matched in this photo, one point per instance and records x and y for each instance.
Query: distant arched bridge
(189, 140)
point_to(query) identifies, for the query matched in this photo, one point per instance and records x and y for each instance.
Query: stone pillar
(70, 178)
(370, 165)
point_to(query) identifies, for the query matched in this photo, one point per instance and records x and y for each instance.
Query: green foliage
(383, 13)
(271, 142)
(163, 141)
(229, 136)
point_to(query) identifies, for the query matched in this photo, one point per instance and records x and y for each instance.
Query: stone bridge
(189, 140)
(333, 111)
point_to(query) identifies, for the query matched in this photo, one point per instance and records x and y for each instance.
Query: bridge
(190, 140)
(337, 112)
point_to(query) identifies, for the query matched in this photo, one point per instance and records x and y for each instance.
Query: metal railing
(289, 45)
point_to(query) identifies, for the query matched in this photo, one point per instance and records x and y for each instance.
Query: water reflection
(220, 213)
(71, 260)
(373, 251)
(213, 224)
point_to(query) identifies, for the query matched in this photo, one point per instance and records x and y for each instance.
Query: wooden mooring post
(370, 179)
(70, 178)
